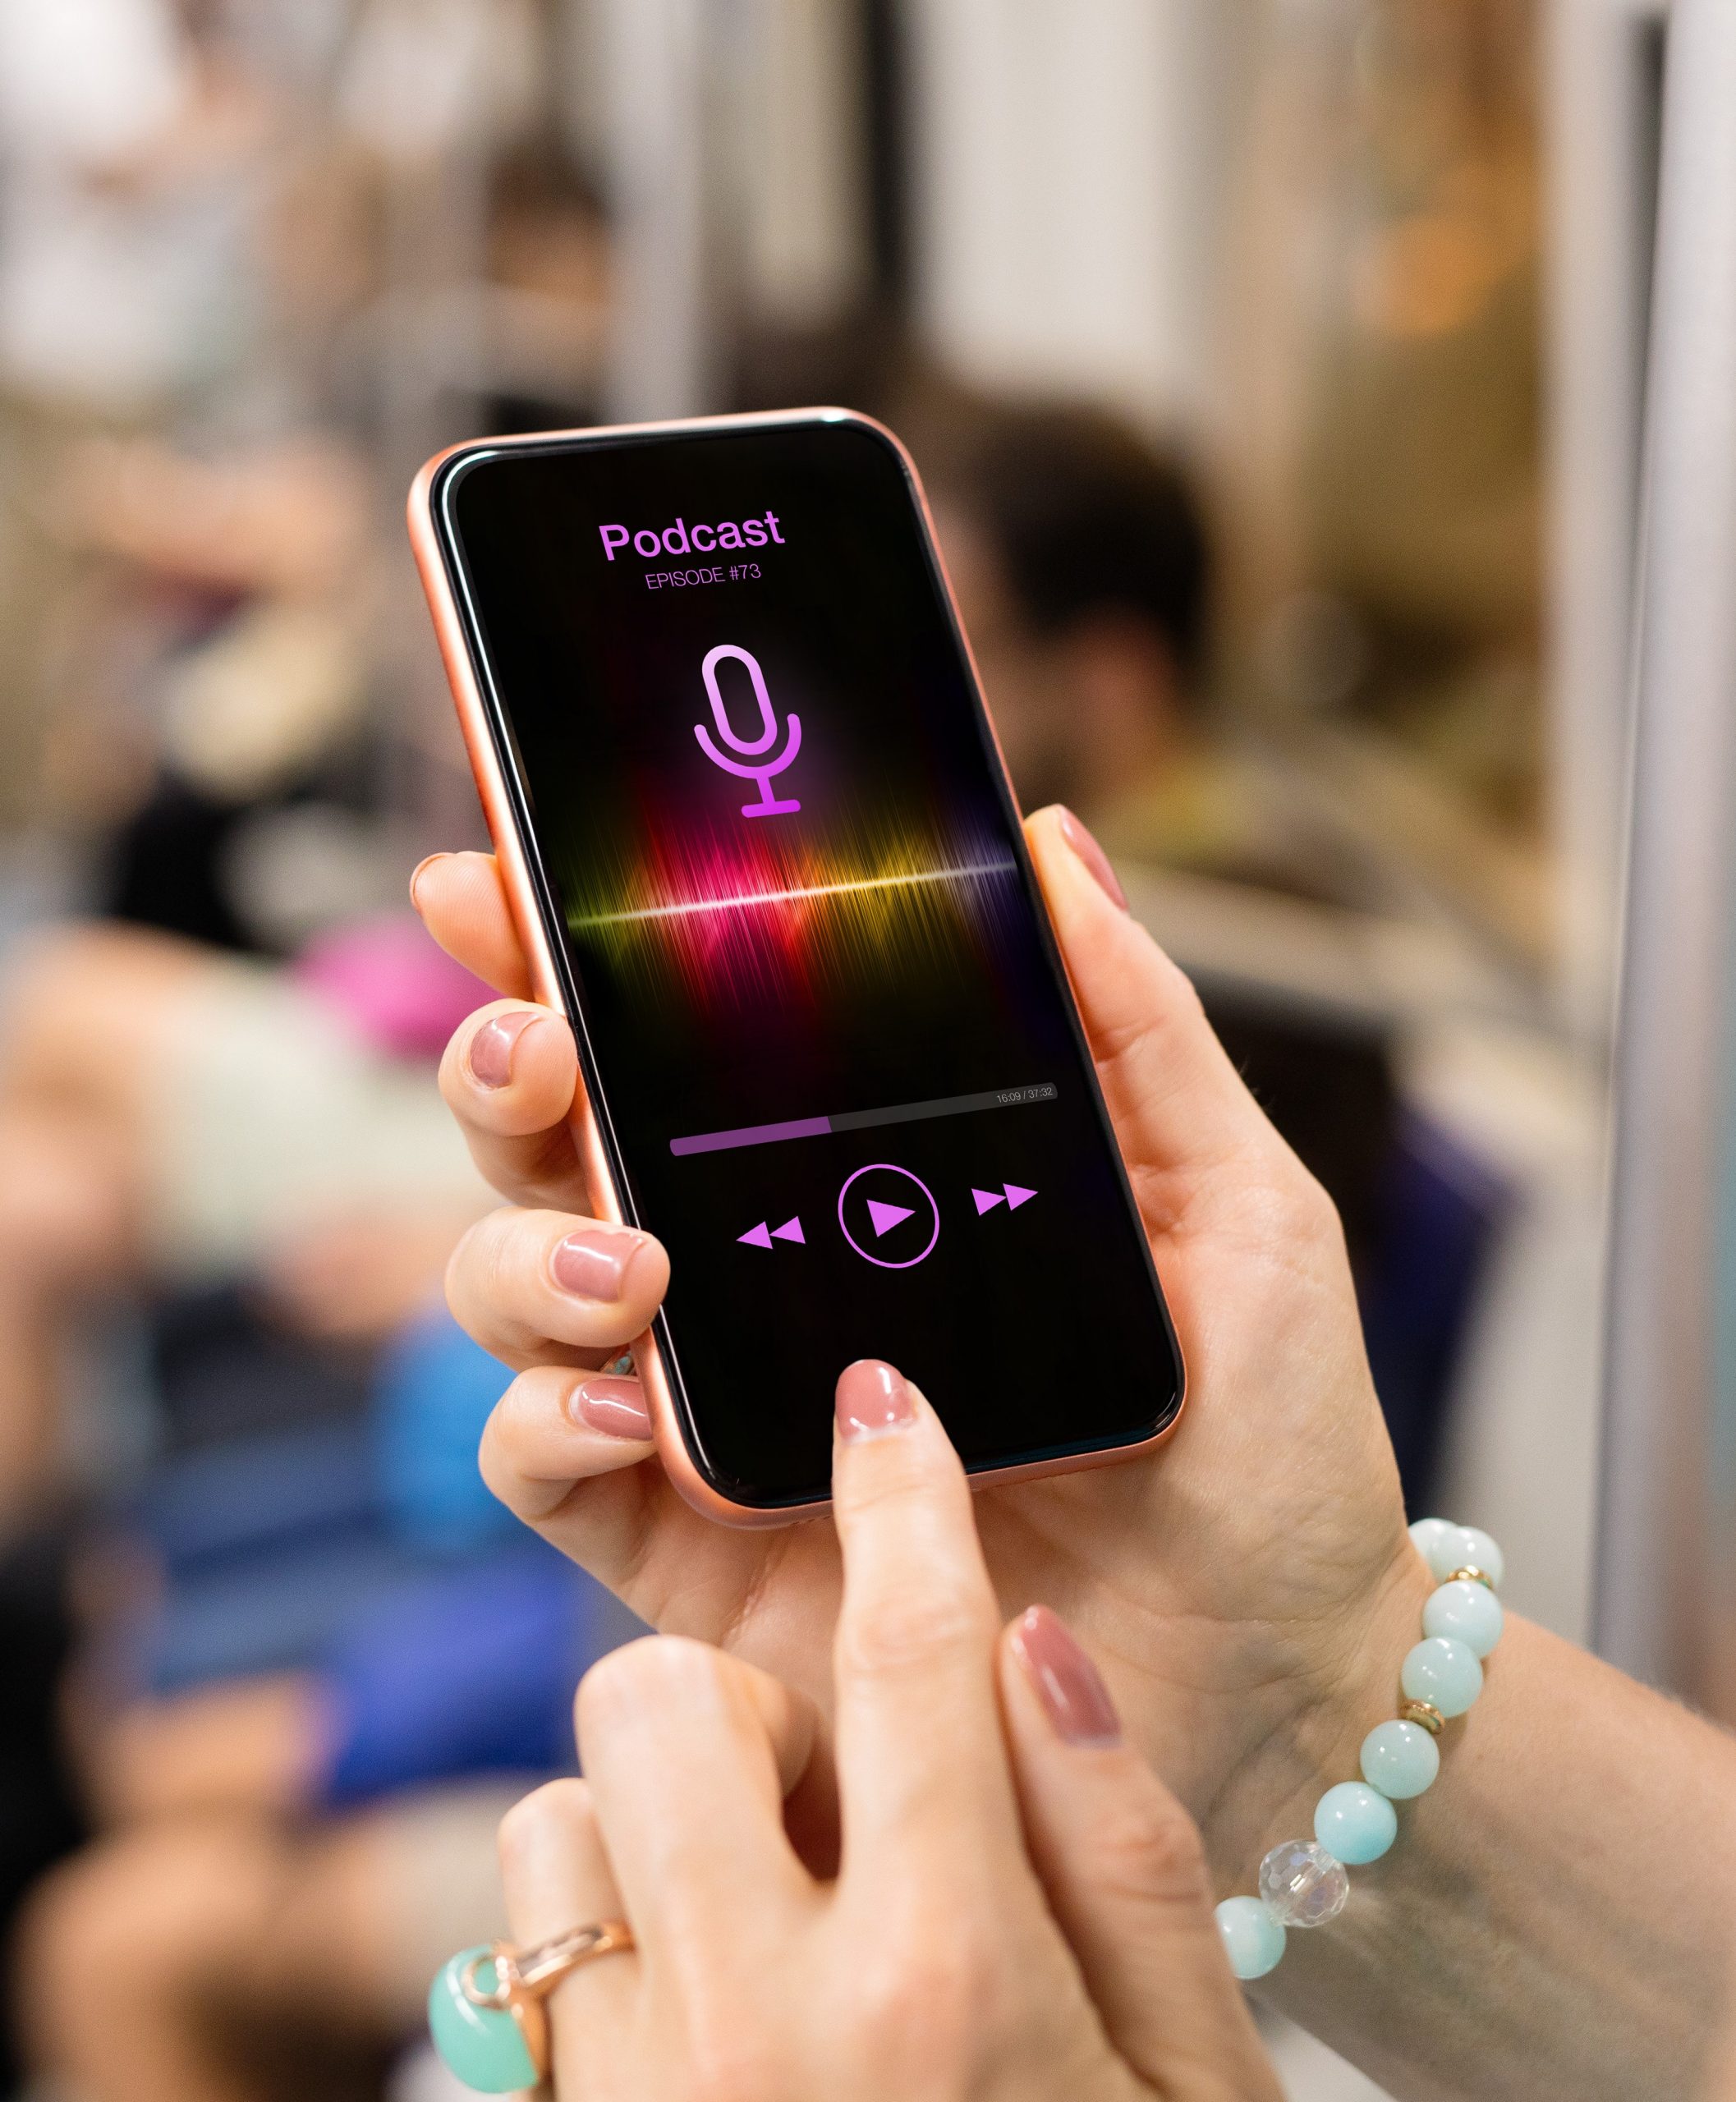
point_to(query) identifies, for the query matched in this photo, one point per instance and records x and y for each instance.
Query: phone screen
(821, 1009)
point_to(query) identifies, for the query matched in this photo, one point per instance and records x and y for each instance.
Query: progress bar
(863, 1120)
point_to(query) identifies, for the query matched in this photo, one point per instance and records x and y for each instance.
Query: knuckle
(655, 1673)
(1315, 1213)
(525, 1456)
(522, 1832)
(1298, 1197)
(728, 2062)
(459, 1265)
(499, 1282)
(1283, 1206)
(1142, 1038)
(933, 1997)
(496, 1461)
(887, 1476)
(476, 1269)
(1184, 995)
(913, 1627)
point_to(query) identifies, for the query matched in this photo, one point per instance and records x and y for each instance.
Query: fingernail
(418, 872)
(1093, 856)
(617, 1407)
(1067, 1683)
(592, 1263)
(873, 1399)
(493, 1046)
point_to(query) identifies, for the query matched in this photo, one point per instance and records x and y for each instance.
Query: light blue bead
(1443, 1673)
(1466, 1612)
(1486, 1555)
(1464, 1546)
(1426, 1534)
(1253, 1940)
(480, 2045)
(1355, 1822)
(1399, 1759)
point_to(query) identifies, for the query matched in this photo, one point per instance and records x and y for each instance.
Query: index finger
(463, 905)
(926, 1794)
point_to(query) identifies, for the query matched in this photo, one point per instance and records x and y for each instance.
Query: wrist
(1338, 1682)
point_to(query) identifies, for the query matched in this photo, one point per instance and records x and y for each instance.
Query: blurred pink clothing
(392, 982)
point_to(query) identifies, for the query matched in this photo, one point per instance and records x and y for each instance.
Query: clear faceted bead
(1303, 1884)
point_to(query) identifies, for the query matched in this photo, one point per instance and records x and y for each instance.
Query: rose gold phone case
(497, 806)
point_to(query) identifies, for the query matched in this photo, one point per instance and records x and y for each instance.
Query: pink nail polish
(1093, 856)
(493, 1046)
(617, 1407)
(592, 1263)
(1067, 1683)
(873, 1399)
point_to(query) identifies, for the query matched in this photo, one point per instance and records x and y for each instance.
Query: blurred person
(548, 263)
(127, 129)
(137, 1151)
(223, 675)
(302, 1796)
(128, 139)
(338, 1241)
(1083, 561)
(252, 1954)
(134, 1150)
(44, 1816)
(1080, 556)
(203, 773)
(1391, 457)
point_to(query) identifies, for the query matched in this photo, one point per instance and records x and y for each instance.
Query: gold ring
(524, 1977)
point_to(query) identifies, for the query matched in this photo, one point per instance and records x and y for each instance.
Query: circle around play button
(888, 1210)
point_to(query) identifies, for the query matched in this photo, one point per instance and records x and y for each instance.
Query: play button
(893, 1209)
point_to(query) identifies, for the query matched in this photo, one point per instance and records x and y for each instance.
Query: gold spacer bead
(1473, 1576)
(1426, 1714)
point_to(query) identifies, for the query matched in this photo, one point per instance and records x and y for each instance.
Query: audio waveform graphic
(750, 901)
(741, 920)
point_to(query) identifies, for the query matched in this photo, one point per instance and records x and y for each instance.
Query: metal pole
(1600, 151)
(1659, 1520)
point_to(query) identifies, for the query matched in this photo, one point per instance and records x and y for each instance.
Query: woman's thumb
(1177, 1102)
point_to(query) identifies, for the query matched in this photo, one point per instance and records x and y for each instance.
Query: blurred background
(1276, 368)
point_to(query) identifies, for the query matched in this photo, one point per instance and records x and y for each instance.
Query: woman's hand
(939, 1963)
(1246, 1588)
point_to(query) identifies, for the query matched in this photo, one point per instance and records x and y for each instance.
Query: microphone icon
(769, 805)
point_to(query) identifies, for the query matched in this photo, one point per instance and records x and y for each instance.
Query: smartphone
(764, 854)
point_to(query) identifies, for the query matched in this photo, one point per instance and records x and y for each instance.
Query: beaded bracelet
(1302, 1881)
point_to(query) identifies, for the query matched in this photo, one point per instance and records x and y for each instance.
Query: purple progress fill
(753, 1135)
